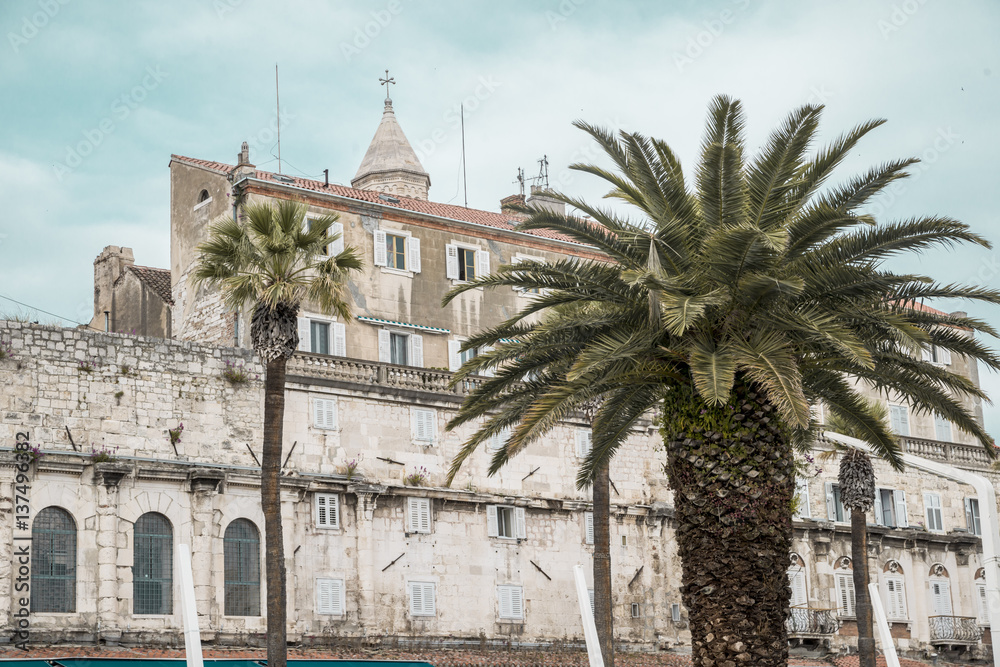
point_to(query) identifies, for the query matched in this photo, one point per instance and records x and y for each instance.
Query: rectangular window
(588, 522)
(330, 597)
(942, 428)
(834, 507)
(465, 263)
(324, 413)
(403, 349)
(940, 597)
(418, 515)
(506, 522)
(421, 598)
(845, 593)
(635, 610)
(321, 336)
(511, 599)
(499, 440)
(899, 417)
(981, 607)
(936, 355)
(327, 510)
(797, 582)
(520, 259)
(584, 442)
(890, 508)
(335, 230)
(932, 503)
(972, 519)
(423, 425)
(895, 607)
(399, 349)
(395, 248)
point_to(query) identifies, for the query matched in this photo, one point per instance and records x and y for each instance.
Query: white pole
(990, 522)
(189, 612)
(882, 625)
(589, 629)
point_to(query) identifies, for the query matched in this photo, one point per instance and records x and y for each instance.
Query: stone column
(205, 543)
(108, 477)
(367, 558)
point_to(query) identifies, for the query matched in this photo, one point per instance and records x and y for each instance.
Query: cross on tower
(385, 82)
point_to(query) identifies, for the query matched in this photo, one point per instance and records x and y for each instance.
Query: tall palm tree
(730, 304)
(273, 262)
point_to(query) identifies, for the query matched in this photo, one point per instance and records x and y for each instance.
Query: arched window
(242, 568)
(152, 565)
(203, 197)
(53, 567)
(797, 582)
(895, 591)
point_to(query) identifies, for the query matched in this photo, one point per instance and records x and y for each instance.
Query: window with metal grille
(53, 567)
(241, 545)
(152, 565)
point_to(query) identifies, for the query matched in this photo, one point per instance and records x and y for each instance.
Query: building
(370, 553)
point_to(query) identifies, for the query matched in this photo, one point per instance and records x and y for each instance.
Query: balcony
(960, 456)
(810, 623)
(367, 375)
(950, 630)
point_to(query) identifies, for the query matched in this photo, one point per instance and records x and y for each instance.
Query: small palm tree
(273, 262)
(732, 305)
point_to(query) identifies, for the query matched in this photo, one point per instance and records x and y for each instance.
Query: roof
(389, 150)
(470, 215)
(157, 280)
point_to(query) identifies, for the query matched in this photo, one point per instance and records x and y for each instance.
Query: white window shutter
(384, 352)
(324, 413)
(797, 582)
(451, 261)
(381, 256)
(416, 350)
(802, 492)
(583, 442)
(337, 247)
(899, 496)
(454, 355)
(482, 263)
(339, 339)
(322, 510)
(516, 602)
(492, 529)
(337, 597)
(944, 356)
(503, 593)
(416, 599)
(969, 520)
(305, 344)
(334, 511)
(487, 372)
(588, 519)
(984, 618)
(591, 592)
(424, 517)
(323, 591)
(413, 253)
(879, 514)
(430, 608)
(423, 424)
(412, 520)
(926, 354)
(520, 529)
(831, 504)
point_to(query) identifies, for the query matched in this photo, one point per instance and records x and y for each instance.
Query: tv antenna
(277, 103)
(520, 180)
(542, 180)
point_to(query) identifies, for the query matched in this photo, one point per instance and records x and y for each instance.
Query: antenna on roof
(277, 101)
(465, 181)
(542, 180)
(520, 180)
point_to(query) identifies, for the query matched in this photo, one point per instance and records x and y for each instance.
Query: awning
(405, 325)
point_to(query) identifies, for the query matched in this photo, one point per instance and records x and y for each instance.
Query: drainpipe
(991, 529)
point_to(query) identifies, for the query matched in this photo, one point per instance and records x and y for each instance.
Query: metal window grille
(242, 568)
(152, 565)
(53, 567)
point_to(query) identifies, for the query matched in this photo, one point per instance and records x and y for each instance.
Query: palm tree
(273, 262)
(730, 305)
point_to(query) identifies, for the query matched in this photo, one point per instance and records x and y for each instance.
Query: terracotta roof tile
(157, 280)
(475, 216)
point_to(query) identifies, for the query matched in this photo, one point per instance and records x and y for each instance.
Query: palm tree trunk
(862, 605)
(731, 470)
(603, 601)
(270, 490)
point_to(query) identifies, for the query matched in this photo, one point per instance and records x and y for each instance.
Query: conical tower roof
(391, 165)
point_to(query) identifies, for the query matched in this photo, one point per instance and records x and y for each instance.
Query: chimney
(540, 199)
(243, 166)
(108, 267)
(507, 203)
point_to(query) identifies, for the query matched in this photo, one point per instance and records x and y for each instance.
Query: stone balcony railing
(955, 629)
(378, 374)
(960, 456)
(810, 622)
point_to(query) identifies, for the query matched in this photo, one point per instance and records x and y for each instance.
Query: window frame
(845, 579)
(336, 341)
(510, 589)
(166, 565)
(335, 228)
(517, 522)
(415, 511)
(584, 441)
(410, 254)
(898, 508)
(833, 503)
(454, 265)
(929, 508)
(904, 411)
(70, 530)
(424, 587)
(900, 583)
(588, 527)
(973, 517)
(414, 347)
(941, 422)
(332, 507)
(341, 595)
(332, 408)
(256, 585)
(415, 427)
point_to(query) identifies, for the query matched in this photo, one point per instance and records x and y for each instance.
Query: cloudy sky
(96, 97)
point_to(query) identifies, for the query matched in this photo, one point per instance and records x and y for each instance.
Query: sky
(96, 96)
